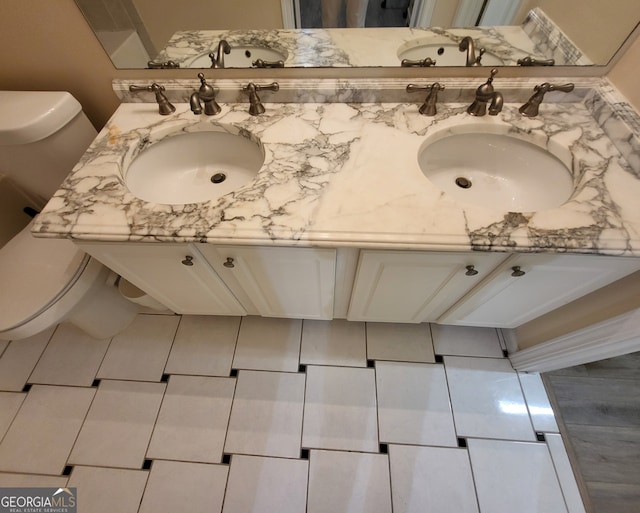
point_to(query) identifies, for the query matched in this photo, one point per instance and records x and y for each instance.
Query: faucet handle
(164, 106)
(255, 105)
(531, 107)
(422, 63)
(428, 108)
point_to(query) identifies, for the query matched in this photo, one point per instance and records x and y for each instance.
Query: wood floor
(599, 408)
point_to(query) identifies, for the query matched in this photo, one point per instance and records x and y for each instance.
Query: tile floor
(215, 414)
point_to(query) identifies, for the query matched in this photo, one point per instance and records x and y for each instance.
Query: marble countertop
(346, 174)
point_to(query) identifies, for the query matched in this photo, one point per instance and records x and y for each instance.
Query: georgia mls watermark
(38, 500)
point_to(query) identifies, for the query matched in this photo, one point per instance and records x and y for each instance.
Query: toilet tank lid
(29, 116)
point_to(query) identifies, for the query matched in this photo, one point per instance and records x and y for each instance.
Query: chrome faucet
(207, 94)
(217, 58)
(469, 46)
(164, 106)
(255, 104)
(428, 108)
(485, 94)
(530, 109)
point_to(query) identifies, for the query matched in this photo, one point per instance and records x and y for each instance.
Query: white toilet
(47, 281)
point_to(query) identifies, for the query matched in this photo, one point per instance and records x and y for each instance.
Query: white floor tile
(19, 359)
(118, 427)
(140, 352)
(565, 473)
(193, 418)
(42, 433)
(336, 342)
(177, 486)
(538, 403)
(413, 404)
(204, 345)
(268, 344)
(107, 490)
(266, 485)
(10, 403)
(348, 481)
(515, 476)
(486, 399)
(71, 358)
(466, 341)
(340, 409)
(266, 417)
(399, 342)
(434, 479)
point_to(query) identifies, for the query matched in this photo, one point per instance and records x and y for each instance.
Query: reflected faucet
(428, 108)
(217, 58)
(422, 63)
(468, 45)
(485, 94)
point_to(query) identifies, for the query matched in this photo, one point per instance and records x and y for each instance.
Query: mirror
(138, 34)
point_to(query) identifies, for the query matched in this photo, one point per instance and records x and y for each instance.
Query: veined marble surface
(346, 174)
(370, 47)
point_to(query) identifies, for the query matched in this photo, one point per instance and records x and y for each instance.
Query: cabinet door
(281, 282)
(175, 274)
(528, 286)
(412, 286)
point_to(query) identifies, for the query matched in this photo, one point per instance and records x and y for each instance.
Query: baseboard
(613, 337)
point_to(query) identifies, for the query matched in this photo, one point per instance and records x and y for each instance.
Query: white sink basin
(446, 54)
(497, 171)
(241, 56)
(194, 167)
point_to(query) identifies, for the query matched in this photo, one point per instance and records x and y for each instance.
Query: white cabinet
(278, 282)
(527, 286)
(177, 275)
(414, 286)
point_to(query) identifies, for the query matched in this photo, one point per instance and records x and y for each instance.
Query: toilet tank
(42, 136)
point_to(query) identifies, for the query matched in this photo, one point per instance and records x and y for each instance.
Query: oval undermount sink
(496, 171)
(194, 167)
(241, 56)
(446, 54)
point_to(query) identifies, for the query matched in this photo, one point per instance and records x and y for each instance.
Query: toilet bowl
(47, 281)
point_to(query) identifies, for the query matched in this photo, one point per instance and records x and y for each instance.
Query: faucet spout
(217, 58)
(485, 94)
(468, 45)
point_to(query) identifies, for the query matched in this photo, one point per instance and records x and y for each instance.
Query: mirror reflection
(141, 34)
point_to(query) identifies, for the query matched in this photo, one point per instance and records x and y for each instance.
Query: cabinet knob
(229, 263)
(517, 271)
(188, 260)
(471, 270)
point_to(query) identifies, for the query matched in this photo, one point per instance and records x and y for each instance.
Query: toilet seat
(36, 292)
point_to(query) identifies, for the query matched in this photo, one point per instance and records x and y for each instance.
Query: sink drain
(218, 178)
(463, 183)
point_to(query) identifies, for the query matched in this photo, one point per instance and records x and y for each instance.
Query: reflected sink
(241, 56)
(447, 54)
(194, 167)
(497, 171)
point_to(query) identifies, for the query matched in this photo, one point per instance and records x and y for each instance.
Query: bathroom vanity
(341, 220)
